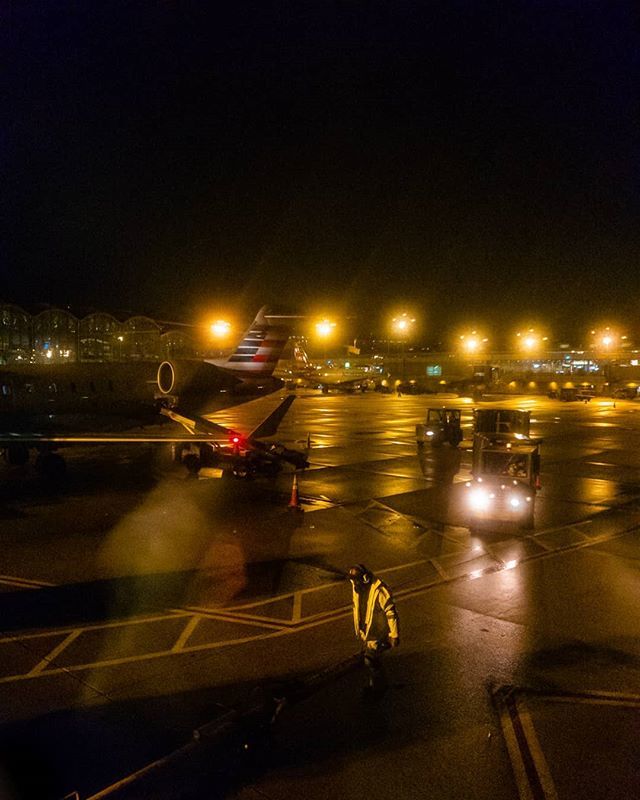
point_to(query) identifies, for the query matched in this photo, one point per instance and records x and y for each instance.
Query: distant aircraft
(302, 372)
(45, 407)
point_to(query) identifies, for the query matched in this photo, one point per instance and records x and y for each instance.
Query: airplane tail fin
(260, 348)
(300, 357)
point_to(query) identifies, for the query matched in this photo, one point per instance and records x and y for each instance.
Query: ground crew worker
(375, 620)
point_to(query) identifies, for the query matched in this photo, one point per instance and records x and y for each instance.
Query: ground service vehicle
(441, 425)
(505, 468)
(501, 420)
(572, 393)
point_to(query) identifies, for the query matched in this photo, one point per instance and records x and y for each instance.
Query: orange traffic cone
(294, 503)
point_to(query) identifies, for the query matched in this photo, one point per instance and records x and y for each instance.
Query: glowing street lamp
(220, 329)
(606, 340)
(402, 325)
(530, 341)
(324, 330)
(472, 342)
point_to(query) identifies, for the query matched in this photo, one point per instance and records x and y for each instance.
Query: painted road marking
(439, 569)
(530, 767)
(50, 657)
(24, 583)
(525, 760)
(188, 629)
(272, 626)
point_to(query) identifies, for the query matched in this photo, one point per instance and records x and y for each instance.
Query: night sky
(478, 160)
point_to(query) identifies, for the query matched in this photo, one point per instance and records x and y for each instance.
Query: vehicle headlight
(514, 502)
(479, 499)
(429, 433)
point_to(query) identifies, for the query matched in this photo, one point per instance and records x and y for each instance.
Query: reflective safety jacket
(381, 618)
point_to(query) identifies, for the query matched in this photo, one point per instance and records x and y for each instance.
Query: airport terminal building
(49, 335)
(56, 335)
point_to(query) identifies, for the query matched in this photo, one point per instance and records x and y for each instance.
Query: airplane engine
(183, 380)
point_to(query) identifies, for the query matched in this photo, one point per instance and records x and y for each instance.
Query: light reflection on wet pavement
(150, 575)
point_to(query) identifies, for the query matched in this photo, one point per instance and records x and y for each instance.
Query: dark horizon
(476, 164)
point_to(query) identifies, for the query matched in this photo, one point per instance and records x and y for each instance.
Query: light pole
(402, 326)
(324, 329)
(472, 344)
(606, 341)
(220, 330)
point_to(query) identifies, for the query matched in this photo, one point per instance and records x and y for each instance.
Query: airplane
(46, 407)
(302, 372)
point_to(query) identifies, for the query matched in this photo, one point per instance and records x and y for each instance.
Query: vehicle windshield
(506, 464)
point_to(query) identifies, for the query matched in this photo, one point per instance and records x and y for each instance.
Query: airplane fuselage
(37, 394)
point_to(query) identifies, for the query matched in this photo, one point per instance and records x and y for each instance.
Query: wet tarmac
(137, 606)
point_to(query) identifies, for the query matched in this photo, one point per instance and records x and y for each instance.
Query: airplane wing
(238, 451)
(203, 429)
(269, 426)
(35, 439)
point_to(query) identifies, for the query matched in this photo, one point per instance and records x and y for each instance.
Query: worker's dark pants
(372, 653)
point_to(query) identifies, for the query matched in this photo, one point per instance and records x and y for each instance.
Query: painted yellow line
(171, 614)
(439, 569)
(14, 580)
(540, 762)
(596, 699)
(188, 629)
(50, 657)
(165, 653)
(534, 538)
(515, 756)
(296, 614)
(280, 629)
(274, 623)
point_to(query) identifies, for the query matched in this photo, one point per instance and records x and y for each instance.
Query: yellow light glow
(606, 338)
(472, 342)
(530, 340)
(402, 324)
(220, 328)
(324, 328)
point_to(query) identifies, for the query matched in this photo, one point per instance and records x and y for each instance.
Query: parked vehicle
(442, 425)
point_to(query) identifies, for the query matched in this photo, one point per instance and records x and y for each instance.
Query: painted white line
(188, 629)
(50, 657)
